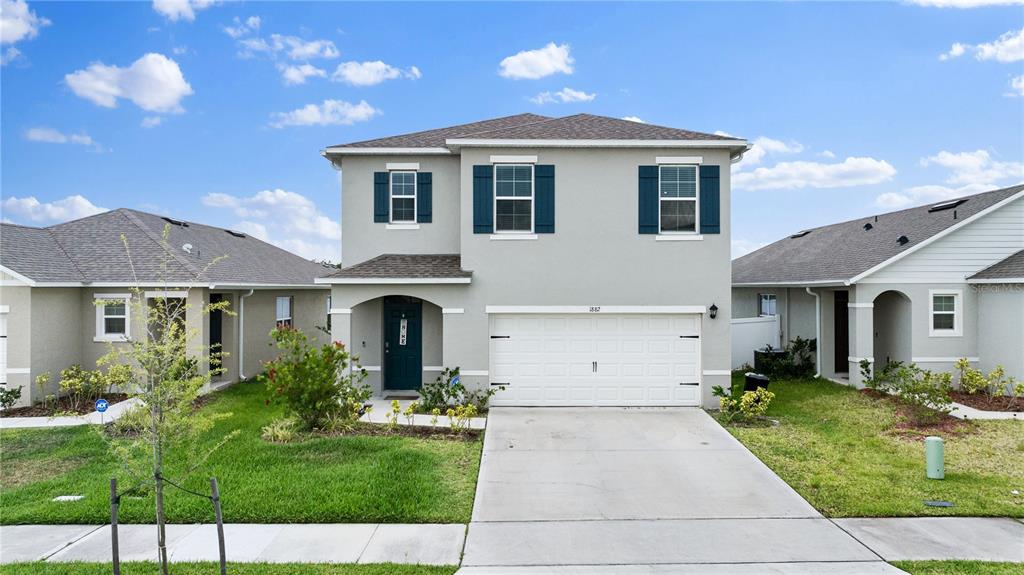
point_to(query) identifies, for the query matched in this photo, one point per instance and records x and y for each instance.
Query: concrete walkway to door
(565, 488)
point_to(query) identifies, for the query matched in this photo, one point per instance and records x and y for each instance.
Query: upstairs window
(403, 197)
(677, 205)
(284, 312)
(945, 313)
(513, 198)
(766, 305)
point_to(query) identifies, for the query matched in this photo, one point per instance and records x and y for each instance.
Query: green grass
(959, 568)
(836, 447)
(138, 568)
(357, 479)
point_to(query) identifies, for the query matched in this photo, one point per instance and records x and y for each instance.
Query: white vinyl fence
(750, 334)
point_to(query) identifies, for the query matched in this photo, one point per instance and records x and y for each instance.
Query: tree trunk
(158, 478)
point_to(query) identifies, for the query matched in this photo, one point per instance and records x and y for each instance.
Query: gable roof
(582, 127)
(91, 250)
(1011, 268)
(403, 267)
(840, 252)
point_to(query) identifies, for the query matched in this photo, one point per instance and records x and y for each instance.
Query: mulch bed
(988, 402)
(62, 406)
(421, 431)
(907, 428)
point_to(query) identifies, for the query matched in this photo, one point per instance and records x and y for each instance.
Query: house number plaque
(403, 330)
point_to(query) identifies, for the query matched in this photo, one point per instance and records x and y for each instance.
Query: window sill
(110, 339)
(679, 237)
(511, 236)
(403, 226)
(945, 334)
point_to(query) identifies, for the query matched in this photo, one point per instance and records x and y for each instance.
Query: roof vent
(902, 240)
(946, 205)
(868, 226)
(236, 234)
(175, 222)
(800, 234)
(187, 248)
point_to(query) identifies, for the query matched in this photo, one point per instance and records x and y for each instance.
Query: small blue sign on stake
(101, 405)
(455, 381)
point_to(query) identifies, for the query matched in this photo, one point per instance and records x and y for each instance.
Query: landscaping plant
(749, 406)
(313, 382)
(973, 381)
(447, 392)
(924, 392)
(9, 396)
(796, 360)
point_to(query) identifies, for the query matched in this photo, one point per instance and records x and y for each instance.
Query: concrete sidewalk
(426, 544)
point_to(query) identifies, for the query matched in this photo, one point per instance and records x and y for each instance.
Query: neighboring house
(574, 261)
(926, 285)
(53, 277)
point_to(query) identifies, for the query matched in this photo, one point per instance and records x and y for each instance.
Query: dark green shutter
(380, 197)
(544, 198)
(648, 196)
(710, 200)
(483, 199)
(424, 197)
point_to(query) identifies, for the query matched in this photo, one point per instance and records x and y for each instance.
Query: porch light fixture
(713, 311)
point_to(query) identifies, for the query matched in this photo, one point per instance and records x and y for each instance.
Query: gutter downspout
(817, 330)
(241, 334)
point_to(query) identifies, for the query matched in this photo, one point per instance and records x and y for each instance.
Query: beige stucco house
(52, 278)
(927, 285)
(581, 260)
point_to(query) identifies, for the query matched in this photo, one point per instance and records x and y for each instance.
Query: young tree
(165, 434)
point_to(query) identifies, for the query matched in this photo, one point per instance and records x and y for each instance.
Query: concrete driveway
(561, 488)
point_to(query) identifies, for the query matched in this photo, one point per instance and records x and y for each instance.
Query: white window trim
(958, 313)
(695, 200)
(391, 200)
(678, 237)
(679, 160)
(513, 159)
(167, 294)
(494, 205)
(513, 236)
(402, 166)
(760, 297)
(101, 334)
(402, 226)
(291, 312)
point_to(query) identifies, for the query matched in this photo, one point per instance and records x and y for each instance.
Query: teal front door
(403, 343)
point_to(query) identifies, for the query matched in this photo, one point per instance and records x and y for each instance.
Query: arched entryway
(398, 341)
(892, 323)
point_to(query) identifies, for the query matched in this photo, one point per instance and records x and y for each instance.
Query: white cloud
(240, 28)
(533, 64)
(18, 23)
(293, 47)
(1017, 85)
(634, 119)
(852, 171)
(965, 3)
(828, 154)
(371, 73)
(154, 83)
(283, 218)
(51, 136)
(328, 113)
(763, 146)
(30, 209)
(9, 55)
(1007, 48)
(151, 121)
(969, 173)
(175, 10)
(565, 96)
(294, 75)
(741, 247)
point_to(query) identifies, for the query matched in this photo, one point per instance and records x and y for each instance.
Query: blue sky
(216, 112)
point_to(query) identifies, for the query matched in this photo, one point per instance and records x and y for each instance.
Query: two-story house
(581, 260)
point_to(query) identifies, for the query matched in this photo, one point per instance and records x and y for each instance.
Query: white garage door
(595, 359)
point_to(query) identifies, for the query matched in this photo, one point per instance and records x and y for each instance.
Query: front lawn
(39, 568)
(959, 568)
(350, 479)
(838, 448)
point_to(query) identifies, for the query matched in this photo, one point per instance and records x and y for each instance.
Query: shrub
(925, 392)
(795, 361)
(9, 396)
(131, 423)
(973, 381)
(444, 392)
(281, 430)
(314, 383)
(749, 406)
(81, 386)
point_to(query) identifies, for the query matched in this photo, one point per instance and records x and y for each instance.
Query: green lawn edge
(959, 567)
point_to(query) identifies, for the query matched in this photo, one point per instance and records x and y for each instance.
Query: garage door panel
(628, 359)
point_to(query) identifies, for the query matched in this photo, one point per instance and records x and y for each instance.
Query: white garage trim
(717, 372)
(613, 309)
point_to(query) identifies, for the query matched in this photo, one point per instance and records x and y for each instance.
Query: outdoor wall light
(713, 311)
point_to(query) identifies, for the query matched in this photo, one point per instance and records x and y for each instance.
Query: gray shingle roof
(407, 266)
(91, 250)
(534, 127)
(1010, 268)
(844, 250)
